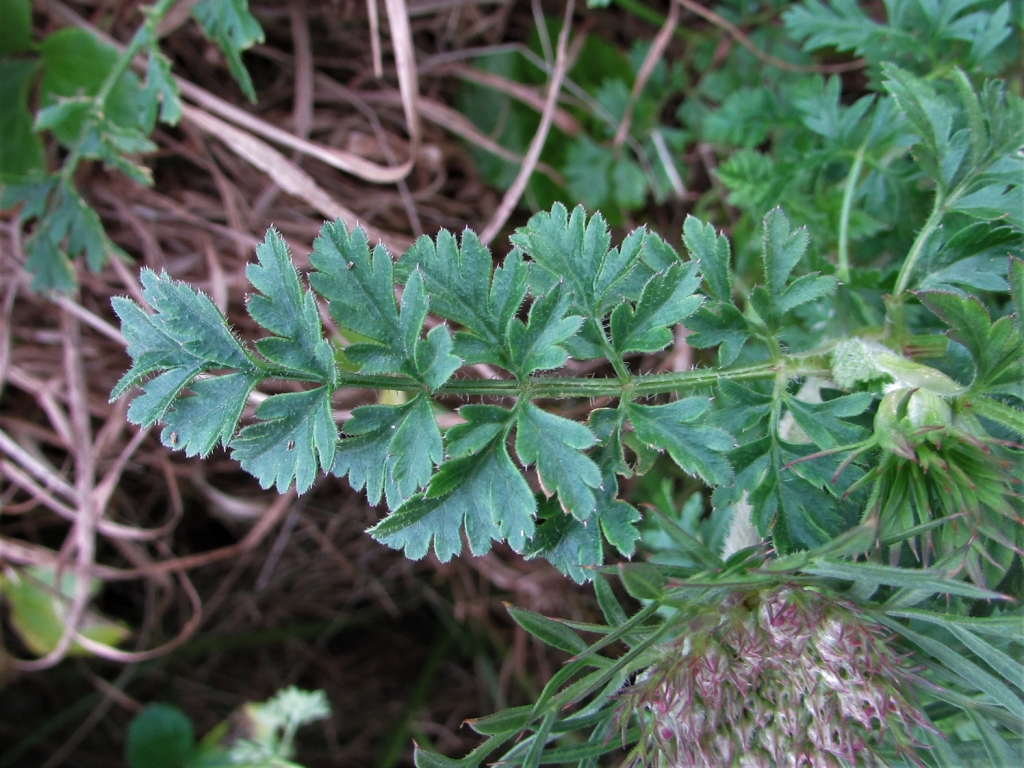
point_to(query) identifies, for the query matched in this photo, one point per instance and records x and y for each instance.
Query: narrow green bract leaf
(551, 632)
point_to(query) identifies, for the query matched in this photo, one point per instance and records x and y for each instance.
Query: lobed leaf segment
(563, 291)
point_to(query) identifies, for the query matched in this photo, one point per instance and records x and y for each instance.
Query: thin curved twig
(737, 34)
(657, 50)
(511, 198)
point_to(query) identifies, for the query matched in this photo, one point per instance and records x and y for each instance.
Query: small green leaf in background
(160, 736)
(16, 29)
(229, 24)
(21, 151)
(76, 64)
(38, 611)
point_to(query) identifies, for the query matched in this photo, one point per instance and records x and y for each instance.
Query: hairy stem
(895, 320)
(843, 265)
(565, 387)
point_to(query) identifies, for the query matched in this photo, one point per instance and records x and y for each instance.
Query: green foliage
(256, 736)
(851, 433)
(233, 28)
(96, 109)
(38, 607)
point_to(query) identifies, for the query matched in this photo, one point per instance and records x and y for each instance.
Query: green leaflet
(392, 450)
(159, 91)
(478, 488)
(997, 349)
(537, 344)
(464, 290)
(360, 290)
(782, 250)
(696, 448)
(574, 546)
(288, 312)
(295, 440)
(574, 251)
(185, 336)
(16, 31)
(917, 34)
(713, 252)
(666, 299)
(197, 423)
(825, 423)
(554, 445)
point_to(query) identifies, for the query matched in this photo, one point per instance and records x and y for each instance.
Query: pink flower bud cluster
(785, 678)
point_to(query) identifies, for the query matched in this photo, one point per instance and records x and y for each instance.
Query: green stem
(139, 39)
(565, 387)
(895, 316)
(907, 270)
(843, 266)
